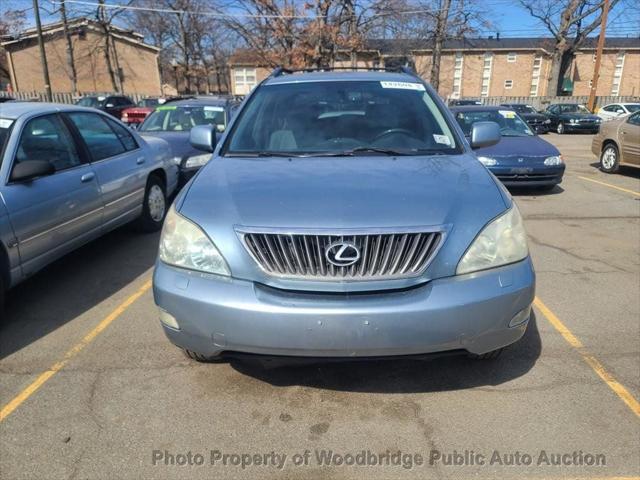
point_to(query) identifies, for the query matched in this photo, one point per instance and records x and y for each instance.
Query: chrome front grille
(381, 256)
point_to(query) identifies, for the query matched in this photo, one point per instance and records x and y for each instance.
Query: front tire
(610, 159)
(154, 207)
(198, 357)
(560, 128)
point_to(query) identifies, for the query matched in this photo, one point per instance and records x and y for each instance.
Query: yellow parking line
(632, 192)
(592, 361)
(72, 352)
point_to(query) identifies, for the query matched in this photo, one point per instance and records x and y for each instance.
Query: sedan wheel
(560, 128)
(154, 207)
(609, 161)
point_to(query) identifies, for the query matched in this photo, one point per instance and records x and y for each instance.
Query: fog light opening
(521, 317)
(169, 320)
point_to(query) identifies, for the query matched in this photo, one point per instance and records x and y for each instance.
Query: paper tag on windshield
(441, 139)
(5, 123)
(403, 85)
(213, 109)
(507, 113)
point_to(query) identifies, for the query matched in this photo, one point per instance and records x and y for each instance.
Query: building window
(245, 80)
(508, 84)
(511, 57)
(535, 75)
(457, 75)
(617, 74)
(486, 74)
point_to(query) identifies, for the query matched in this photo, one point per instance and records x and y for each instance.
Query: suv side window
(123, 135)
(47, 138)
(98, 135)
(634, 119)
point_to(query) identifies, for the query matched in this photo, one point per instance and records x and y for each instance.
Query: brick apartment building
(135, 63)
(485, 67)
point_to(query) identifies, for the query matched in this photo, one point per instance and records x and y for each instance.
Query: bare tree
(70, 60)
(570, 22)
(11, 22)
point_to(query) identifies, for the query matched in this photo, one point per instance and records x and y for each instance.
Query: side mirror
(30, 169)
(203, 137)
(485, 134)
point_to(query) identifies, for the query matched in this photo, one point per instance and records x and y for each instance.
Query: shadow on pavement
(535, 191)
(74, 284)
(405, 376)
(624, 170)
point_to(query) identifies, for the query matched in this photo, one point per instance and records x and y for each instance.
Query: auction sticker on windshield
(507, 113)
(213, 109)
(403, 85)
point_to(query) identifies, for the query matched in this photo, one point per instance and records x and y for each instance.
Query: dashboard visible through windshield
(341, 118)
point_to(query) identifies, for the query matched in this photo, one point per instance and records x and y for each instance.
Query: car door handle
(87, 177)
(140, 161)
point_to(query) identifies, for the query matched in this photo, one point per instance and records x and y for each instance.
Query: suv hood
(456, 193)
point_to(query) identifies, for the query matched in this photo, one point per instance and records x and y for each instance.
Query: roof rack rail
(278, 71)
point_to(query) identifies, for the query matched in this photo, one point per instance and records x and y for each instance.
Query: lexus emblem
(342, 254)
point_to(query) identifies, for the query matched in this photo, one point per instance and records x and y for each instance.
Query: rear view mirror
(203, 138)
(485, 134)
(30, 169)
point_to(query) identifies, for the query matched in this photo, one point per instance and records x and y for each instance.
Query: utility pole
(70, 60)
(596, 68)
(43, 55)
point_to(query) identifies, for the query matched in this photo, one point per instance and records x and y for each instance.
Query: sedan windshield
(511, 125)
(5, 126)
(524, 109)
(571, 108)
(176, 118)
(90, 102)
(341, 118)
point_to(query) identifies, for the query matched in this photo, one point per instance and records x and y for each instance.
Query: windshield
(336, 118)
(175, 118)
(524, 109)
(89, 102)
(510, 123)
(5, 126)
(632, 107)
(149, 102)
(573, 109)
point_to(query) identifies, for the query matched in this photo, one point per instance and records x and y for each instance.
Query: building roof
(406, 46)
(245, 56)
(74, 25)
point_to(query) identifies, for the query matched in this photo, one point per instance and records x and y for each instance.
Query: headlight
(501, 242)
(547, 121)
(183, 244)
(555, 160)
(488, 161)
(197, 160)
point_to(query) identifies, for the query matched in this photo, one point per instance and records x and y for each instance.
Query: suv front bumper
(470, 312)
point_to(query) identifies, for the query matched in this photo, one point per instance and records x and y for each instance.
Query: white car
(615, 110)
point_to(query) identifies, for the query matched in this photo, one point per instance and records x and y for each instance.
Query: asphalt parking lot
(92, 389)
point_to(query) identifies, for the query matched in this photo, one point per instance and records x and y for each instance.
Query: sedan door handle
(140, 161)
(87, 177)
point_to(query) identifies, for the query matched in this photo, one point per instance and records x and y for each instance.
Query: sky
(507, 16)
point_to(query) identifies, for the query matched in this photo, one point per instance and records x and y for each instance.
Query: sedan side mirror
(30, 169)
(203, 137)
(485, 134)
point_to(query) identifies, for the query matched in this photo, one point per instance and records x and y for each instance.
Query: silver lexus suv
(343, 214)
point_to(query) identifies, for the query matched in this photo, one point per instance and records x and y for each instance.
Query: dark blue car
(521, 158)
